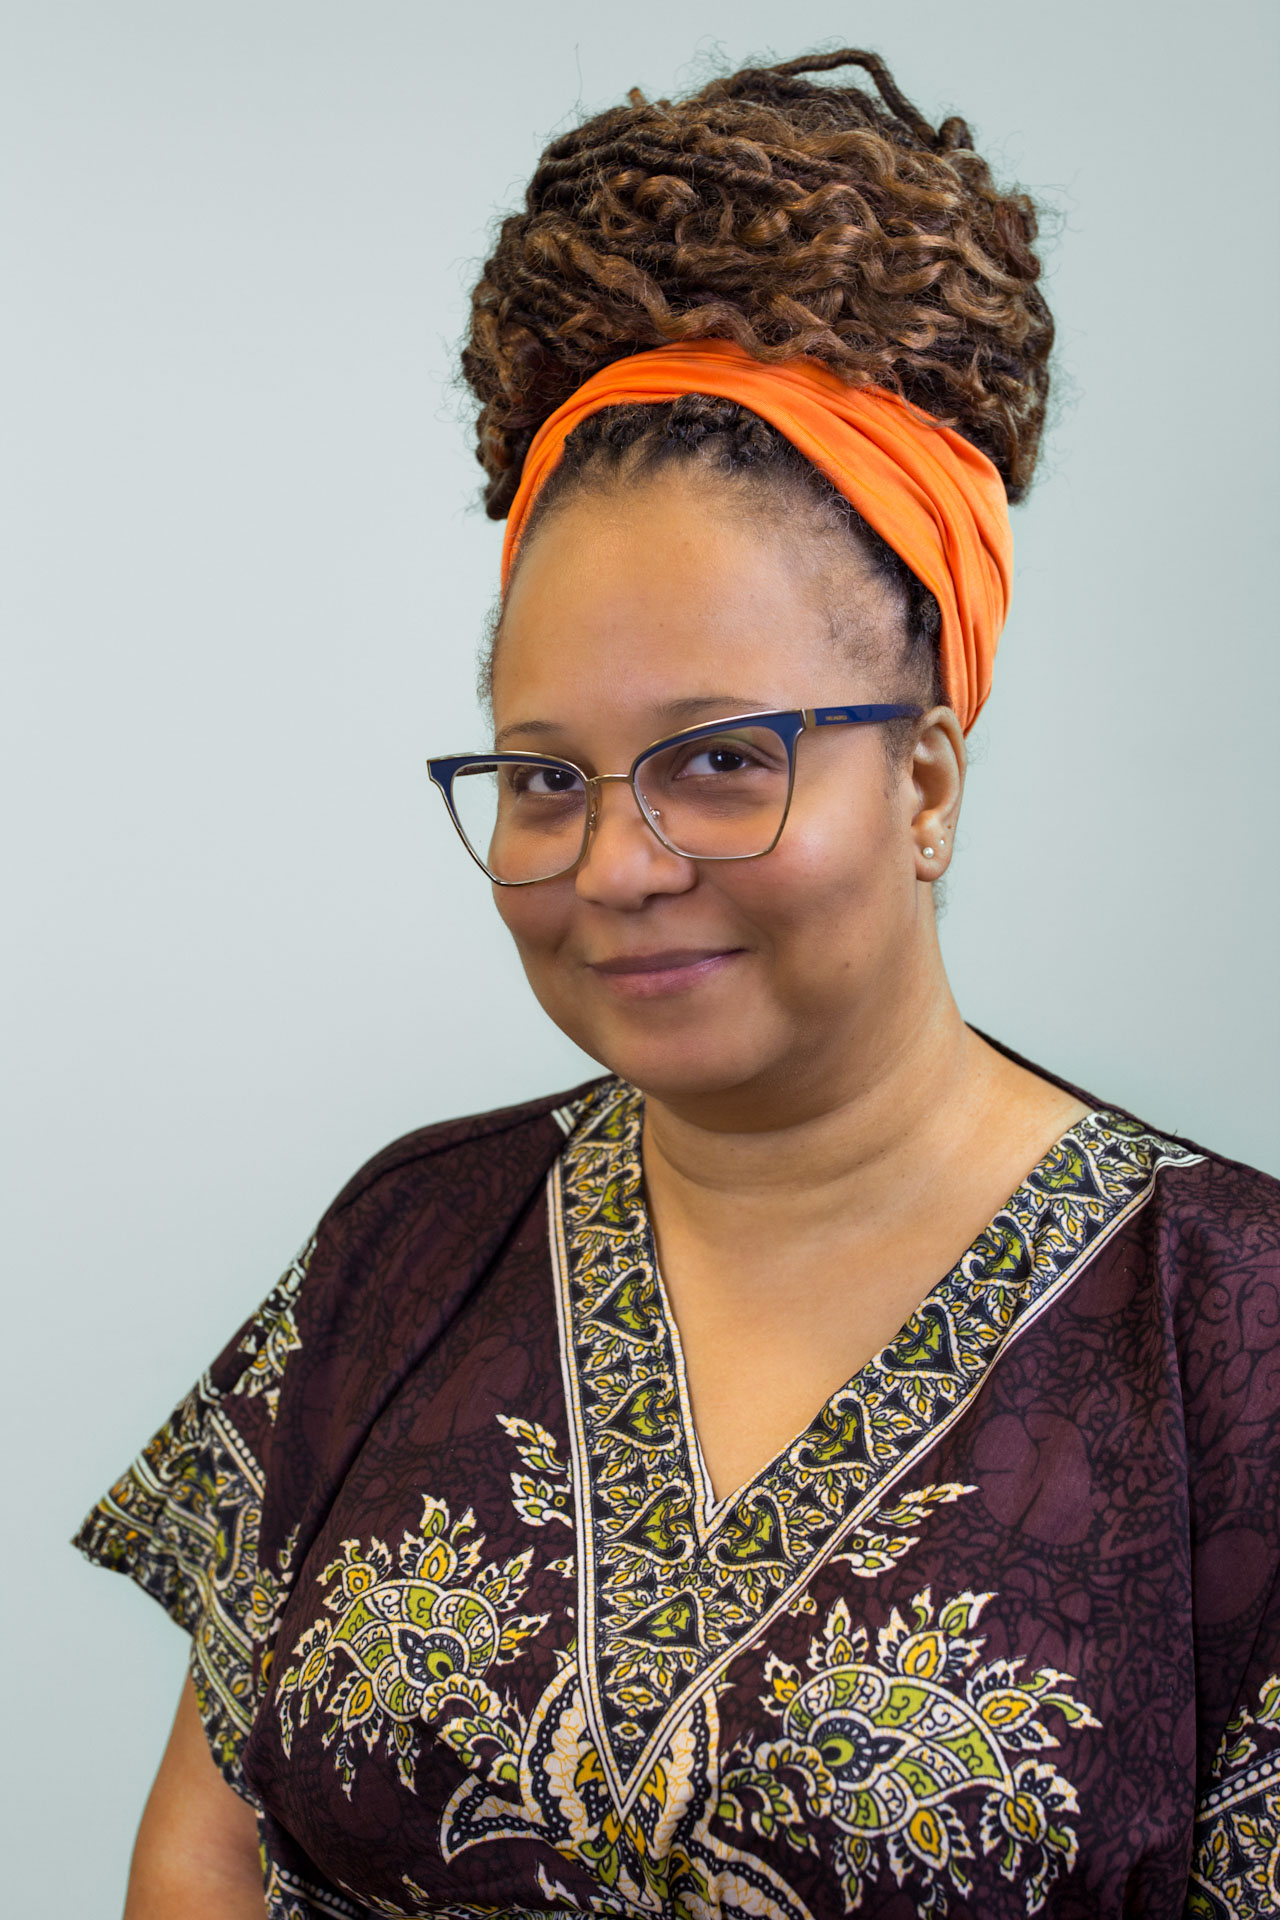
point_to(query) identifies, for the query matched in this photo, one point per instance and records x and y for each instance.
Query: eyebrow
(690, 708)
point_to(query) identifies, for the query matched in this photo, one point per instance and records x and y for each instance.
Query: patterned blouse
(998, 1634)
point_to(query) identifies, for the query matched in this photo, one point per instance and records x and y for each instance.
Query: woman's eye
(716, 759)
(542, 782)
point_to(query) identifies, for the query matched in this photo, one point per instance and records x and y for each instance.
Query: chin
(717, 1040)
(700, 1062)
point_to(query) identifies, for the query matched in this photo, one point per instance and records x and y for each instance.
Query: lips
(650, 976)
(673, 960)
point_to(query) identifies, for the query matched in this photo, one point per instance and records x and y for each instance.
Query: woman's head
(683, 557)
(763, 971)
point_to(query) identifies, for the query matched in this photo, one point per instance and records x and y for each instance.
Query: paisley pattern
(410, 1634)
(1237, 1864)
(892, 1750)
(671, 1583)
(184, 1521)
(875, 1751)
(474, 1636)
(273, 1335)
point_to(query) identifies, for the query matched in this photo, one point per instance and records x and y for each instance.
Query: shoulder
(1215, 1221)
(1199, 1261)
(394, 1262)
(1213, 1230)
(1214, 1237)
(1216, 1212)
(1199, 1242)
(505, 1140)
(419, 1224)
(1207, 1230)
(1212, 1214)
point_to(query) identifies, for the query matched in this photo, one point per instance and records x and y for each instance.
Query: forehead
(653, 592)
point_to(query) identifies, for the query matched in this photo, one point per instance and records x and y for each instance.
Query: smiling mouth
(670, 962)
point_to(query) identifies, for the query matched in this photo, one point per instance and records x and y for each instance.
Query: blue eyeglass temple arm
(857, 716)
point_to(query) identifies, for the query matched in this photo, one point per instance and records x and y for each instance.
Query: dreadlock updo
(793, 217)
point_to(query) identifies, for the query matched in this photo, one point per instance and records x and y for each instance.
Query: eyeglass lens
(720, 797)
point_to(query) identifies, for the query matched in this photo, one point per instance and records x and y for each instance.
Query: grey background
(242, 586)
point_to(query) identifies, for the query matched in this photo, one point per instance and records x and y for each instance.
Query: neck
(880, 1103)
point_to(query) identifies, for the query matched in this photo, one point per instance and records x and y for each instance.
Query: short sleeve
(218, 1514)
(1236, 1864)
(184, 1520)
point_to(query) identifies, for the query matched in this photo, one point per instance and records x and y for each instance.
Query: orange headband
(933, 497)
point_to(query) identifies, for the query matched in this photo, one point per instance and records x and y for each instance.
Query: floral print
(410, 1632)
(886, 1747)
(474, 1636)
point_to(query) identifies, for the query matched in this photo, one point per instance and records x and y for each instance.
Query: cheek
(535, 917)
(825, 870)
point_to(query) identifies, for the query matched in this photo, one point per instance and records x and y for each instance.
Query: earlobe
(936, 851)
(938, 769)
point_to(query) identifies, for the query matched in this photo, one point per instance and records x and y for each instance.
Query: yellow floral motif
(1237, 1745)
(273, 1335)
(672, 1583)
(870, 1551)
(545, 1493)
(892, 1753)
(544, 1780)
(410, 1634)
(184, 1521)
(1236, 1872)
(425, 1903)
(1259, 1834)
(892, 1749)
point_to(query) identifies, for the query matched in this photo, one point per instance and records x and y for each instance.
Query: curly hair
(790, 215)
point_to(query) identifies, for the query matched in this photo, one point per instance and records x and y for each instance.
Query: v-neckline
(707, 1507)
(672, 1582)
(711, 1507)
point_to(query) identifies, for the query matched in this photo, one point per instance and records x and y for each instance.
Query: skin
(197, 1848)
(824, 1137)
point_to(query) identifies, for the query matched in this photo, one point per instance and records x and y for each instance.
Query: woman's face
(633, 614)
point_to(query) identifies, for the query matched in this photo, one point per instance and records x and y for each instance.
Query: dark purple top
(998, 1634)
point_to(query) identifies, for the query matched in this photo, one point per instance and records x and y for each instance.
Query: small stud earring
(928, 853)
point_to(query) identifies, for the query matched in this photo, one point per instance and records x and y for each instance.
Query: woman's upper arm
(197, 1847)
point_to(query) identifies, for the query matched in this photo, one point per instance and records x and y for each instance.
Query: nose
(625, 863)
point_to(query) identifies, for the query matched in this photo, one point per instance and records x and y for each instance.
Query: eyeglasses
(716, 792)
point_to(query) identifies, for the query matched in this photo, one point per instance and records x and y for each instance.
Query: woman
(828, 1464)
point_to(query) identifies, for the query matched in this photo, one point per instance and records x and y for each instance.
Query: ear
(937, 770)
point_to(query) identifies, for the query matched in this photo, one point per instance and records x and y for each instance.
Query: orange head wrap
(933, 497)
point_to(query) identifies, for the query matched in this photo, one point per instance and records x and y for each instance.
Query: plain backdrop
(243, 581)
